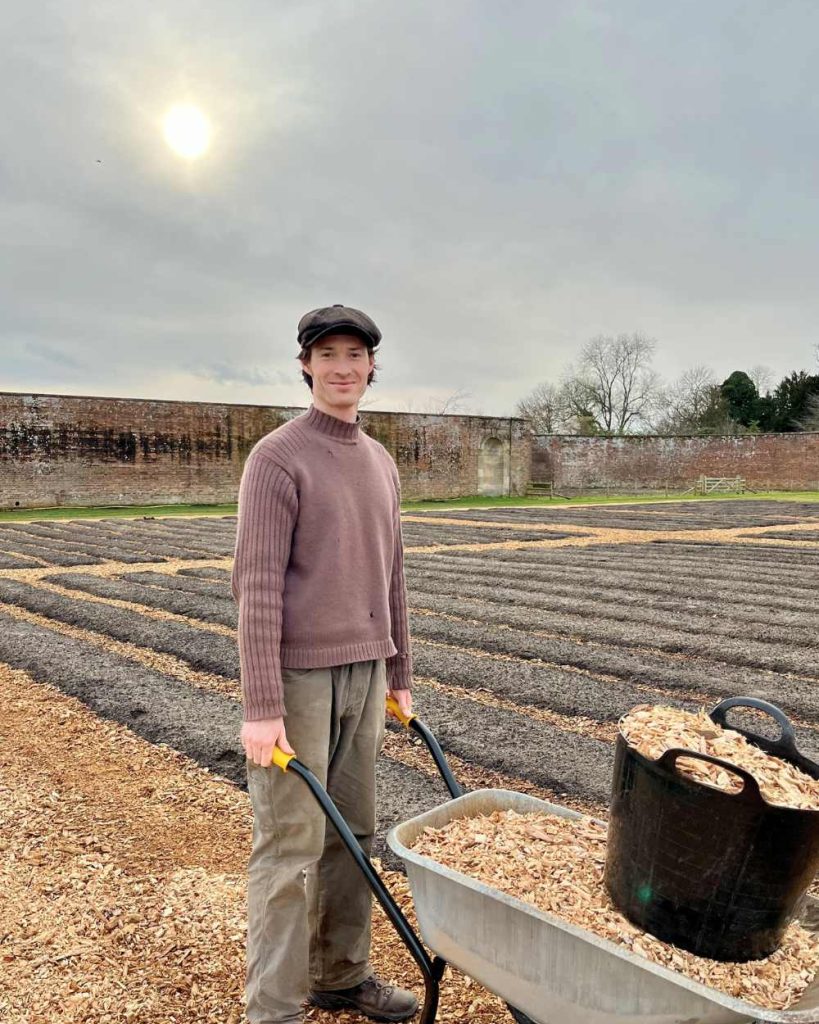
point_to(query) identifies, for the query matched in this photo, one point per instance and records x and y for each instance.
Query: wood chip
(654, 729)
(556, 864)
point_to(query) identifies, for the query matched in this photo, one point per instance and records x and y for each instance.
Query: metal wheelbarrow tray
(547, 970)
(553, 971)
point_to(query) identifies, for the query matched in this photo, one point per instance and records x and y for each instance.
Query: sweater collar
(333, 427)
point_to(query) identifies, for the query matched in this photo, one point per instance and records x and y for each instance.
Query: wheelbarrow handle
(432, 967)
(433, 746)
(394, 708)
(280, 759)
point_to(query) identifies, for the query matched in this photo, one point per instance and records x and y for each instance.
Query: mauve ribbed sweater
(319, 567)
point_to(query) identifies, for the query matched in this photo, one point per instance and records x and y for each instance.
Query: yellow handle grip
(280, 759)
(394, 709)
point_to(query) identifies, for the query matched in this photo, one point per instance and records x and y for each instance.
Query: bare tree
(687, 402)
(614, 383)
(456, 403)
(547, 409)
(763, 378)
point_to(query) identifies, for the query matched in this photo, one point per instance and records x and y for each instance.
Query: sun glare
(187, 131)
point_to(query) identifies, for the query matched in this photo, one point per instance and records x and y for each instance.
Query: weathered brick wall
(68, 450)
(767, 461)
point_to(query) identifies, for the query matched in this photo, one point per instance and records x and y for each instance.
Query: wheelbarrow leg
(431, 967)
(521, 1018)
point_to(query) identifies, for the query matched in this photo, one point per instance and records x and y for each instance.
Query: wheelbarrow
(546, 970)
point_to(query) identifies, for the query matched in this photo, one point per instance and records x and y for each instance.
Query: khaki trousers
(309, 906)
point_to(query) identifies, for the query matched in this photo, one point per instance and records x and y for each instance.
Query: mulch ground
(124, 830)
(123, 883)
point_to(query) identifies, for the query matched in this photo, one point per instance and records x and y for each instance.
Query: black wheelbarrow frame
(432, 967)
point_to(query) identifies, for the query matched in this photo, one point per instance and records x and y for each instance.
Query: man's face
(339, 365)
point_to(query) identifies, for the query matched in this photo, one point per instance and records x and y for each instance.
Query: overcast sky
(493, 183)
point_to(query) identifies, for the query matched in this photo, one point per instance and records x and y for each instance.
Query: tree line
(612, 388)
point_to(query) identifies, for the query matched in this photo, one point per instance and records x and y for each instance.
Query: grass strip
(473, 501)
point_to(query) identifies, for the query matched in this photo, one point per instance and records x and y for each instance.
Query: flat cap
(337, 319)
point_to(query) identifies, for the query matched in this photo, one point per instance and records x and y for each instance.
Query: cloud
(493, 187)
(252, 376)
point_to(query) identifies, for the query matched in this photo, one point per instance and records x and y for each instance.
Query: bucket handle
(785, 745)
(750, 788)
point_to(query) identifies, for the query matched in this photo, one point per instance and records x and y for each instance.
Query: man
(323, 638)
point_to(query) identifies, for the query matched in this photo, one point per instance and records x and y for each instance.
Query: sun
(187, 131)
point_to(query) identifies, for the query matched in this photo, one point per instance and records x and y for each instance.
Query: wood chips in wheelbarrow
(556, 864)
(653, 730)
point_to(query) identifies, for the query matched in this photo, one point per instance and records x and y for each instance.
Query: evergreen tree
(792, 401)
(742, 398)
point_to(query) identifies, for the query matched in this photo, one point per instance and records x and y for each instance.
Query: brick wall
(767, 461)
(70, 450)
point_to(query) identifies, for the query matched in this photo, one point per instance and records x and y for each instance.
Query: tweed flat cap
(337, 319)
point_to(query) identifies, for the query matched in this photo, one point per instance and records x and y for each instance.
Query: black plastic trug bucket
(720, 874)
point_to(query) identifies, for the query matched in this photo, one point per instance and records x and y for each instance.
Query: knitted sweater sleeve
(399, 666)
(268, 508)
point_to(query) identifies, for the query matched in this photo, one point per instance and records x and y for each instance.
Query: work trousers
(309, 906)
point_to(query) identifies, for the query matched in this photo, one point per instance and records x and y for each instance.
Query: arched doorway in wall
(492, 467)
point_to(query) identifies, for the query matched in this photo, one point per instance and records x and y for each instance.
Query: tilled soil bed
(524, 661)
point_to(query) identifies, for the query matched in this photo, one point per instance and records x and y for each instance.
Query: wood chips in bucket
(556, 864)
(653, 730)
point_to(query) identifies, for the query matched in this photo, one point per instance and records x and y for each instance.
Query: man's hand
(404, 698)
(259, 739)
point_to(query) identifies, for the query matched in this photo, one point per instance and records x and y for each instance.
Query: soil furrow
(221, 611)
(642, 610)
(419, 535)
(576, 724)
(650, 667)
(626, 586)
(775, 657)
(708, 563)
(204, 726)
(95, 545)
(207, 574)
(205, 587)
(152, 614)
(11, 561)
(505, 741)
(41, 552)
(410, 750)
(537, 685)
(203, 651)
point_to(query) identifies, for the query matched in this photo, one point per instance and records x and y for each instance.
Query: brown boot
(372, 998)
